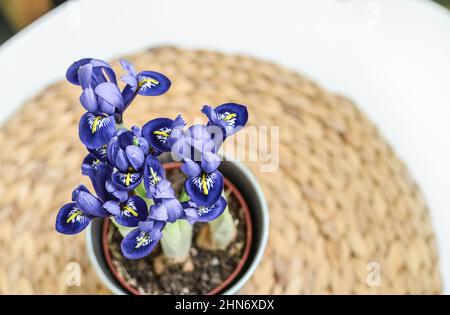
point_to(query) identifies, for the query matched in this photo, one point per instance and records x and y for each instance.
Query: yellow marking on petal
(130, 210)
(154, 175)
(73, 216)
(128, 179)
(229, 116)
(148, 80)
(161, 133)
(142, 241)
(205, 187)
(96, 123)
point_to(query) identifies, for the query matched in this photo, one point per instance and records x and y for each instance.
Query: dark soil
(210, 268)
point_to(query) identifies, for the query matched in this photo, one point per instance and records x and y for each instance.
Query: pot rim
(225, 283)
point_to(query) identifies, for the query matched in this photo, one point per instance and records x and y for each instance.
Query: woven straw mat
(345, 215)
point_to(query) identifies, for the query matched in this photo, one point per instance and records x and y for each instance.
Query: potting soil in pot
(202, 272)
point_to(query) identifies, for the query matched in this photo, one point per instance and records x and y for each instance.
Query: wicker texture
(340, 199)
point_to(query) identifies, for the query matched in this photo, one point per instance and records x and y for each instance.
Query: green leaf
(120, 126)
(223, 230)
(184, 196)
(176, 240)
(141, 192)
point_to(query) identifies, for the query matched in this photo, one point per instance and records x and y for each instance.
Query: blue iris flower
(75, 216)
(123, 166)
(127, 155)
(197, 149)
(230, 117)
(158, 188)
(142, 240)
(147, 83)
(102, 98)
(195, 213)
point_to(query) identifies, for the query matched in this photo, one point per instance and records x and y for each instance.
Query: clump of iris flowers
(129, 181)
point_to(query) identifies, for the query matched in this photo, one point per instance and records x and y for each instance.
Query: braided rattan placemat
(341, 203)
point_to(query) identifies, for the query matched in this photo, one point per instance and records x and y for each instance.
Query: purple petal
(121, 161)
(143, 144)
(232, 117)
(150, 225)
(106, 107)
(177, 130)
(133, 211)
(126, 181)
(130, 80)
(210, 113)
(178, 122)
(89, 204)
(163, 190)
(136, 131)
(209, 147)
(122, 195)
(111, 149)
(190, 168)
(101, 66)
(157, 132)
(173, 208)
(168, 210)
(111, 95)
(71, 220)
(85, 76)
(153, 174)
(95, 131)
(73, 70)
(88, 100)
(210, 162)
(218, 135)
(138, 244)
(112, 207)
(126, 138)
(159, 212)
(135, 156)
(205, 189)
(99, 172)
(128, 67)
(77, 190)
(146, 226)
(198, 138)
(191, 215)
(151, 83)
(198, 132)
(207, 214)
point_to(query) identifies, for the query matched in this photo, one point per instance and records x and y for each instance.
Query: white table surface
(392, 57)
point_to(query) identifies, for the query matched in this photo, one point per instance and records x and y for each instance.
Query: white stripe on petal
(209, 179)
(143, 239)
(231, 122)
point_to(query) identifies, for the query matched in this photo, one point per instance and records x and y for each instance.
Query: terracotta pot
(246, 190)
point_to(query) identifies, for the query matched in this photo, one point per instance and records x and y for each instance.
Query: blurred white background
(390, 57)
